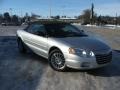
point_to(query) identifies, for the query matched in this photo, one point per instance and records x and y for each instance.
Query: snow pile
(89, 25)
(110, 26)
(76, 23)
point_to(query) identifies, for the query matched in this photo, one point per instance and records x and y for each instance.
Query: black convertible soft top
(49, 22)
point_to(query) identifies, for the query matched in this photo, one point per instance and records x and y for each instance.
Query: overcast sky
(60, 7)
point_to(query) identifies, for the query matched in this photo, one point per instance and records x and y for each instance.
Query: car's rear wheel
(21, 46)
(57, 60)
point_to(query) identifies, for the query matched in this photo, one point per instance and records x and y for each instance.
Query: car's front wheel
(57, 60)
(21, 46)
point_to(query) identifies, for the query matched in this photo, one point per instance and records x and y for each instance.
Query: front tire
(21, 46)
(57, 60)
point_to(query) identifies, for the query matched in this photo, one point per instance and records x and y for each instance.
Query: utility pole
(10, 11)
(50, 9)
(21, 13)
(116, 20)
(64, 9)
(92, 13)
(50, 12)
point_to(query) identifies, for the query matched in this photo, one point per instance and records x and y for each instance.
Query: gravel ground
(32, 72)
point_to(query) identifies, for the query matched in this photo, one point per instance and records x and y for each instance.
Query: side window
(37, 29)
(29, 28)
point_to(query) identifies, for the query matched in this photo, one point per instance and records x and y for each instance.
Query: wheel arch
(53, 48)
(49, 60)
(19, 35)
(19, 38)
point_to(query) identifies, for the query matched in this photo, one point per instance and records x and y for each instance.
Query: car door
(36, 39)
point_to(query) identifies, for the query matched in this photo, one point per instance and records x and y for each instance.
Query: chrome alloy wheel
(58, 60)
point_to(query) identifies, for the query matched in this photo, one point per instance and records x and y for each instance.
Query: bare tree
(85, 17)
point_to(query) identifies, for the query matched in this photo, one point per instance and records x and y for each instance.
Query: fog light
(85, 64)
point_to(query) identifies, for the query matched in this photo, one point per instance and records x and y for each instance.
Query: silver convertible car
(64, 45)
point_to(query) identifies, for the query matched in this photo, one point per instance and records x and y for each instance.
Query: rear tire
(21, 46)
(57, 60)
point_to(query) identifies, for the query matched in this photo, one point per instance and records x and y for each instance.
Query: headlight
(81, 52)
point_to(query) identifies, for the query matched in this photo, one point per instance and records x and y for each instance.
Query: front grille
(104, 58)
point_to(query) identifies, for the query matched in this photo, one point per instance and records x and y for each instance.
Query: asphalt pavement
(32, 72)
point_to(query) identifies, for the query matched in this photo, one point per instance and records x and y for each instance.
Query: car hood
(87, 43)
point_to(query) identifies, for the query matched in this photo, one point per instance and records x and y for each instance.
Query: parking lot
(32, 72)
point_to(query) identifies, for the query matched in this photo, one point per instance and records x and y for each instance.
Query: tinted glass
(29, 28)
(36, 29)
(63, 30)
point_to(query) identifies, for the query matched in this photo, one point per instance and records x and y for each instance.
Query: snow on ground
(109, 26)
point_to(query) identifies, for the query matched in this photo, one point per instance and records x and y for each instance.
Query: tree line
(6, 18)
(85, 18)
(98, 20)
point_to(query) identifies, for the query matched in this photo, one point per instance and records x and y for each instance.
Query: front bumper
(77, 62)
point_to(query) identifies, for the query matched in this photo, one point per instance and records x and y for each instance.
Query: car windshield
(63, 30)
